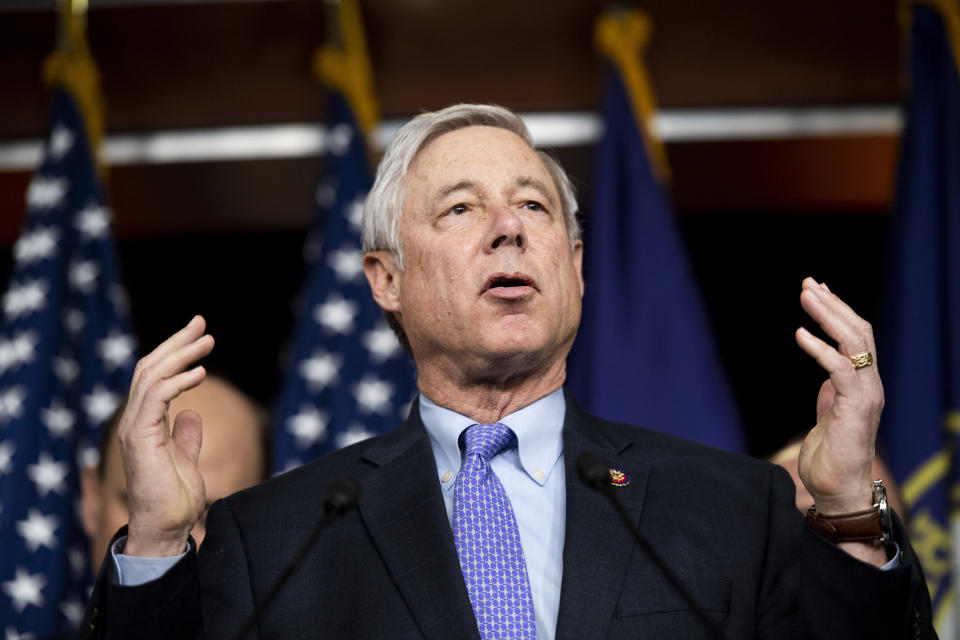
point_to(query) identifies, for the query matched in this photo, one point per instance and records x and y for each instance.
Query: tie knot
(486, 440)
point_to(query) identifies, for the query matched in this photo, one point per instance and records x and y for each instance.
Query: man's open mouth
(499, 280)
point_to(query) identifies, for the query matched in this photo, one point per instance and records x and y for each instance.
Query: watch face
(880, 502)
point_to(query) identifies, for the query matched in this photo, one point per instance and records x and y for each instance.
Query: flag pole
(72, 67)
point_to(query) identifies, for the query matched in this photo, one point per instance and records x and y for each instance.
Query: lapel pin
(619, 478)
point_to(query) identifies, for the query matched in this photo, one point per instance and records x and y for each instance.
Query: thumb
(824, 399)
(188, 433)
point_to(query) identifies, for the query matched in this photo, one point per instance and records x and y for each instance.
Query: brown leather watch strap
(859, 526)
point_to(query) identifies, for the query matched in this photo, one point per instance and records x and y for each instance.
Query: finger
(188, 433)
(149, 418)
(171, 365)
(840, 369)
(852, 333)
(850, 339)
(193, 330)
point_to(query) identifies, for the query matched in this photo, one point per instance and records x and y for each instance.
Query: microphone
(340, 496)
(595, 472)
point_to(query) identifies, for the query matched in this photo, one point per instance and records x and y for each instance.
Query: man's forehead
(472, 143)
(446, 162)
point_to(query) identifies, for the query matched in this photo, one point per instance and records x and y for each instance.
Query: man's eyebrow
(537, 185)
(462, 185)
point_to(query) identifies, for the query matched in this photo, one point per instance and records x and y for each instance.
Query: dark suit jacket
(727, 525)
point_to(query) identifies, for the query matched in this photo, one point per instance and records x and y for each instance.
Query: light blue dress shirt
(532, 474)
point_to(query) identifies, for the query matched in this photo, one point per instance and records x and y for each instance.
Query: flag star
(83, 275)
(347, 263)
(93, 220)
(338, 139)
(61, 140)
(326, 194)
(336, 314)
(11, 634)
(66, 369)
(404, 410)
(25, 298)
(313, 246)
(308, 426)
(17, 350)
(88, 456)
(58, 419)
(46, 193)
(11, 403)
(48, 474)
(100, 404)
(36, 245)
(74, 320)
(381, 342)
(38, 530)
(120, 299)
(78, 562)
(73, 610)
(25, 589)
(355, 213)
(373, 395)
(320, 370)
(291, 464)
(354, 433)
(6, 456)
(116, 350)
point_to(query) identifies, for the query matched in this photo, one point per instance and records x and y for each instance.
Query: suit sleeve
(834, 594)
(168, 607)
(203, 596)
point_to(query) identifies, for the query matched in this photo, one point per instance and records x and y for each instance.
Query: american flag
(348, 377)
(66, 356)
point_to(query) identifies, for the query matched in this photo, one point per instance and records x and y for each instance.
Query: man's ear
(91, 499)
(383, 275)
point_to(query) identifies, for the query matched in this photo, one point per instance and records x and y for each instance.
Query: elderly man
(472, 521)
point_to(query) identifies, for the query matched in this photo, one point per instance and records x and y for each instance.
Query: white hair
(384, 204)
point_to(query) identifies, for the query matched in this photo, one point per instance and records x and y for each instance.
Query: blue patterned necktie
(488, 541)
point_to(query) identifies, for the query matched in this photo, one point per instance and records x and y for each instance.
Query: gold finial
(622, 36)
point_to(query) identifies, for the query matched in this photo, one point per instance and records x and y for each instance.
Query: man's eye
(458, 209)
(533, 205)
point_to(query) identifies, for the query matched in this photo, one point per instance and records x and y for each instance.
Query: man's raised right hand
(166, 492)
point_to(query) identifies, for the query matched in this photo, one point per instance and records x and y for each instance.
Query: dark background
(224, 238)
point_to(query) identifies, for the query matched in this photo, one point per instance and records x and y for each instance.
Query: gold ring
(861, 360)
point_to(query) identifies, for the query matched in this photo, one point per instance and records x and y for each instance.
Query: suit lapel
(401, 504)
(597, 547)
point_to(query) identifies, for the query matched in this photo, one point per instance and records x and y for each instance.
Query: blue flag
(920, 338)
(66, 360)
(348, 377)
(644, 353)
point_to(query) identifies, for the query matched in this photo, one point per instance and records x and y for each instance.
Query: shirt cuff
(133, 571)
(895, 561)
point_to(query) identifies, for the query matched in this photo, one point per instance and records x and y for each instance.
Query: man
(234, 457)
(471, 519)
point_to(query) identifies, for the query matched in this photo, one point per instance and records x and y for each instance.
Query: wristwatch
(872, 525)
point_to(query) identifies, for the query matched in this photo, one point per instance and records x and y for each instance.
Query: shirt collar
(538, 427)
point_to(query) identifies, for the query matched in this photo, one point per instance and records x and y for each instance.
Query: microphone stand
(340, 496)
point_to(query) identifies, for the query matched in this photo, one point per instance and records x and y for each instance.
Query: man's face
(231, 459)
(490, 275)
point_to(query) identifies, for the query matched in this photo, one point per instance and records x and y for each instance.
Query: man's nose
(506, 230)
